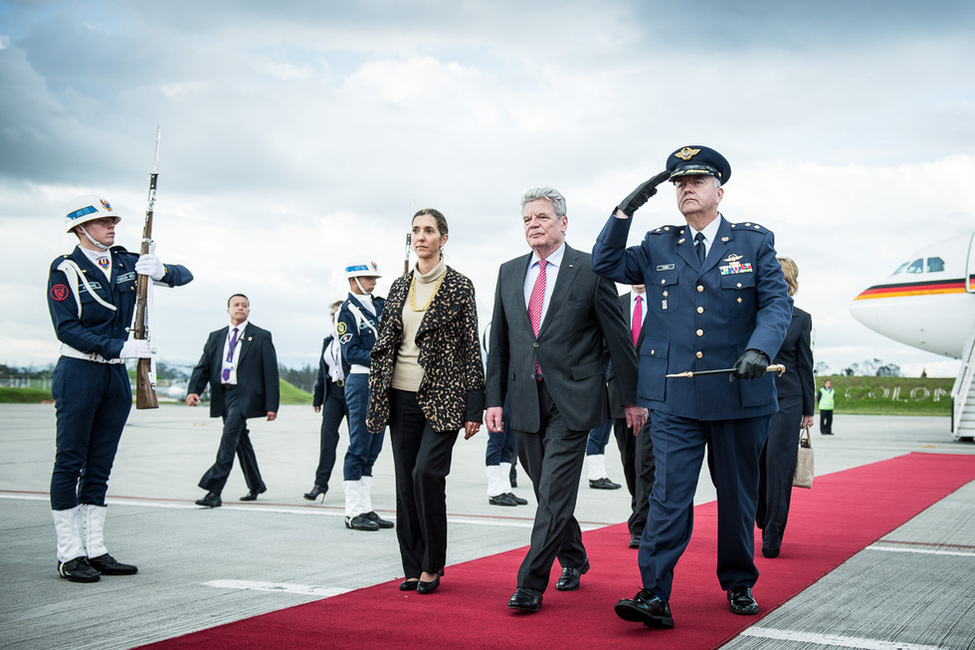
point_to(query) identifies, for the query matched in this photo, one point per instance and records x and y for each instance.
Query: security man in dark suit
(553, 319)
(241, 367)
(636, 450)
(717, 299)
(91, 294)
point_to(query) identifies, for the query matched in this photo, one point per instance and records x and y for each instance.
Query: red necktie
(637, 319)
(535, 307)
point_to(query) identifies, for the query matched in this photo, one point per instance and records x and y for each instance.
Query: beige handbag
(804, 462)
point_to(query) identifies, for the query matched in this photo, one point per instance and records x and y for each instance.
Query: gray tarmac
(914, 589)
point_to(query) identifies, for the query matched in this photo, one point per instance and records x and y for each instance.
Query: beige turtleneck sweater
(407, 372)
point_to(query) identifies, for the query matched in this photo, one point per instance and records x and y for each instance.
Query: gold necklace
(436, 286)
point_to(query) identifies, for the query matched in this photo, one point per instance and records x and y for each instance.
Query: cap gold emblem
(687, 153)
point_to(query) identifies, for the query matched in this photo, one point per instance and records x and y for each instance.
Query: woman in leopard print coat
(426, 381)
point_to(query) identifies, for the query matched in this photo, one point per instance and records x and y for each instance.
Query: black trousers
(333, 410)
(421, 457)
(638, 470)
(825, 421)
(553, 458)
(235, 440)
(776, 468)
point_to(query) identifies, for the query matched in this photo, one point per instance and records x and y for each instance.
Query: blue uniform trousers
(92, 402)
(598, 437)
(364, 447)
(333, 410)
(679, 446)
(500, 446)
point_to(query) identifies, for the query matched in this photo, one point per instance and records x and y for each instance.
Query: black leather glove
(643, 192)
(751, 365)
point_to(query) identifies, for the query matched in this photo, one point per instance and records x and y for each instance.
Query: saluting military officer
(91, 295)
(716, 298)
(358, 328)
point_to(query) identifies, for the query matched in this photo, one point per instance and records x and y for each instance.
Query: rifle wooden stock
(145, 392)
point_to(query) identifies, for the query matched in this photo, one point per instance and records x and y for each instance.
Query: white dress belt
(68, 351)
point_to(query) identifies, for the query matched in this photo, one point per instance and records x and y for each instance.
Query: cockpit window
(935, 265)
(900, 269)
(917, 266)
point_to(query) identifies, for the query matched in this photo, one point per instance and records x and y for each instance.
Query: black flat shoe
(517, 499)
(109, 566)
(647, 608)
(526, 599)
(409, 585)
(315, 493)
(429, 587)
(379, 521)
(78, 570)
(741, 601)
(211, 500)
(502, 500)
(569, 580)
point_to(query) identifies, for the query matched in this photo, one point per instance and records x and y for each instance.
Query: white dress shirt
(551, 273)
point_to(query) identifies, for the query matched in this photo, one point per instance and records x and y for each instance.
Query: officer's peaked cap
(698, 159)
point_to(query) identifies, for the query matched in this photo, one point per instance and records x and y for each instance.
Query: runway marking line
(277, 587)
(836, 640)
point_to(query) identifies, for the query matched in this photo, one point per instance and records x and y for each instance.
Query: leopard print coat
(452, 389)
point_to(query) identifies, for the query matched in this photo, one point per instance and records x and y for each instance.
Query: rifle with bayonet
(145, 380)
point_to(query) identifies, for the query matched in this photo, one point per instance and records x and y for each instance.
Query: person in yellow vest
(826, 398)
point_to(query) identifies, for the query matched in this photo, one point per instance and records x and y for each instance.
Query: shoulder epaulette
(666, 230)
(750, 226)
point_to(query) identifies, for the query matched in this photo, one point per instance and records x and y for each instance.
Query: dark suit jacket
(583, 319)
(796, 355)
(612, 384)
(257, 372)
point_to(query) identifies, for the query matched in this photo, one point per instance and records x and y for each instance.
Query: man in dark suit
(553, 319)
(241, 367)
(635, 450)
(717, 299)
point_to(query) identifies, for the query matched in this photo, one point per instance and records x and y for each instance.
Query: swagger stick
(145, 384)
(775, 367)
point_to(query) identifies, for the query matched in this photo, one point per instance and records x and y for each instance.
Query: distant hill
(289, 395)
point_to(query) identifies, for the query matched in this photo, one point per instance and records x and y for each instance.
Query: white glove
(150, 265)
(136, 349)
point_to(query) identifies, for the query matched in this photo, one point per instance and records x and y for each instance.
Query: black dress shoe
(518, 499)
(526, 599)
(379, 521)
(78, 570)
(569, 579)
(252, 495)
(409, 585)
(770, 553)
(109, 566)
(604, 484)
(361, 522)
(211, 500)
(647, 608)
(502, 500)
(429, 587)
(315, 493)
(741, 601)
(635, 540)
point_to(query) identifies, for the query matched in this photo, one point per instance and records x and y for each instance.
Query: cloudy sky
(296, 134)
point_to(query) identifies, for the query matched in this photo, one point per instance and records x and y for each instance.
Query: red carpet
(840, 515)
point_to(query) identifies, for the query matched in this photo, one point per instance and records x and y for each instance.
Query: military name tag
(665, 267)
(126, 277)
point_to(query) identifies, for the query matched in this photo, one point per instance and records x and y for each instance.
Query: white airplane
(928, 302)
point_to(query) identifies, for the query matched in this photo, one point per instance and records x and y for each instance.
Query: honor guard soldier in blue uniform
(91, 295)
(716, 298)
(358, 328)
